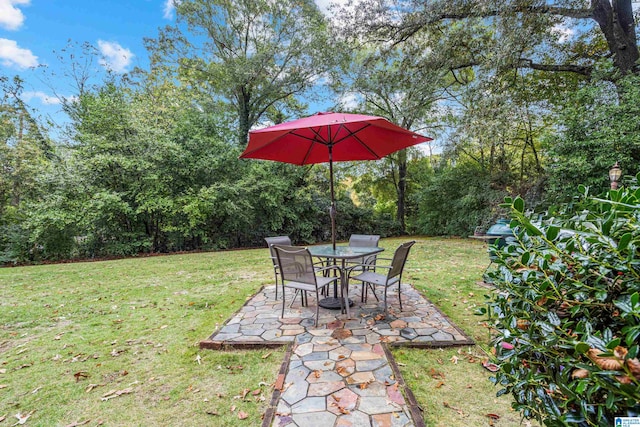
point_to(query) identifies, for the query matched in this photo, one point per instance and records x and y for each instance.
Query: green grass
(71, 333)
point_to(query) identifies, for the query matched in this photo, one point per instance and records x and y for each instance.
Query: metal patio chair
(365, 263)
(277, 240)
(393, 276)
(297, 271)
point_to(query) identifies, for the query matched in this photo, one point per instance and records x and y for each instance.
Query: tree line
(528, 98)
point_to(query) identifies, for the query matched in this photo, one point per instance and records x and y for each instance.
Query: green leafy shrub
(567, 311)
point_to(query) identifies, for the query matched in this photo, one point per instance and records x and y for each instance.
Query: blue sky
(32, 31)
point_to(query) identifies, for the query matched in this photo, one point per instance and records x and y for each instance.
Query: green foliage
(566, 314)
(600, 126)
(455, 200)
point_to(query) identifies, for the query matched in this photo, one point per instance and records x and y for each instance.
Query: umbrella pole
(332, 209)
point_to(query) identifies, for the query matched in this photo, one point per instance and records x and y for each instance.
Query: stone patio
(341, 372)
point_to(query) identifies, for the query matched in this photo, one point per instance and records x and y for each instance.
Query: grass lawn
(115, 343)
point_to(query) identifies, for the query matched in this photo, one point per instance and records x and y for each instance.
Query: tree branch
(571, 68)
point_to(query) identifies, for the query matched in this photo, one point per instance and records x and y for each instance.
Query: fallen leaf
(22, 418)
(440, 384)
(3, 417)
(436, 374)
(256, 392)
(198, 359)
(91, 387)
(233, 408)
(492, 418)
(79, 423)
(244, 393)
(115, 393)
(212, 413)
(81, 375)
(458, 410)
(3, 386)
(242, 415)
(454, 360)
(264, 356)
(317, 373)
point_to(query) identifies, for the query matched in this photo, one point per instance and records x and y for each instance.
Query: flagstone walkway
(340, 373)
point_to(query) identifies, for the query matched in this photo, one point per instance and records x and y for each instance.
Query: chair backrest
(365, 241)
(295, 264)
(399, 259)
(277, 240)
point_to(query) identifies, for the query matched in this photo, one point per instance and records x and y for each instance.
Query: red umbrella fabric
(330, 137)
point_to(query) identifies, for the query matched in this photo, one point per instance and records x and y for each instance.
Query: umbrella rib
(355, 136)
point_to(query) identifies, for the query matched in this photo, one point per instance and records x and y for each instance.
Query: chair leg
(283, 302)
(317, 308)
(386, 313)
(373, 290)
(399, 295)
(276, 274)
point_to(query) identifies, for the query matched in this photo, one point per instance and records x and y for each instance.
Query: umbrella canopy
(330, 137)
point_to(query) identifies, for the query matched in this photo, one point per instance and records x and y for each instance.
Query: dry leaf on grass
(492, 418)
(115, 393)
(22, 418)
(80, 375)
(3, 417)
(458, 410)
(91, 387)
(79, 423)
(440, 384)
(436, 375)
(264, 356)
(242, 415)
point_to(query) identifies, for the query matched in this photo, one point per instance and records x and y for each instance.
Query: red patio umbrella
(329, 137)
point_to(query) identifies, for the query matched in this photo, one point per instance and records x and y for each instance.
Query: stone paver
(338, 373)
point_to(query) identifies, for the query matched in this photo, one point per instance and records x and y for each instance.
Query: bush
(567, 311)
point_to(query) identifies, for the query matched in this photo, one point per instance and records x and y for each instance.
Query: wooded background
(526, 97)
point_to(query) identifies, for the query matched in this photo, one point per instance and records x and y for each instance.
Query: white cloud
(11, 18)
(563, 32)
(349, 101)
(325, 5)
(43, 97)
(13, 56)
(169, 7)
(114, 57)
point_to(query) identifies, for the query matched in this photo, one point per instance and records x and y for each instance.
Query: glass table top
(343, 252)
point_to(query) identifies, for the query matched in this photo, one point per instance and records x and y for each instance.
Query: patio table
(342, 253)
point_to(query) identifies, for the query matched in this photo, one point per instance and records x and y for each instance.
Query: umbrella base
(333, 303)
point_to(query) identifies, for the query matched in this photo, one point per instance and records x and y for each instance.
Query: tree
(253, 54)
(391, 86)
(527, 34)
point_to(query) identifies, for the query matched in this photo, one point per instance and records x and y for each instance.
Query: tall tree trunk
(402, 188)
(616, 21)
(243, 116)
